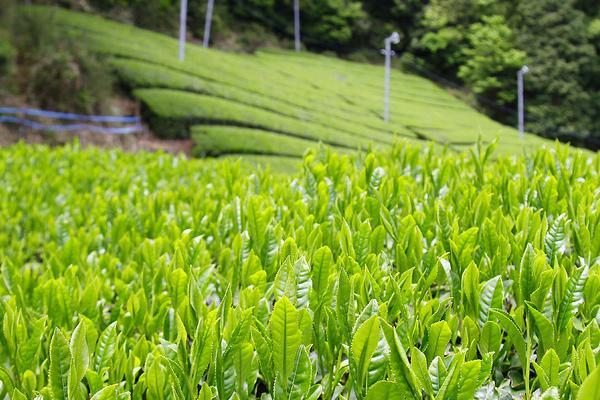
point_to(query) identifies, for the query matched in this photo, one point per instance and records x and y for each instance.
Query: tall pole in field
(521, 100)
(297, 24)
(208, 22)
(182, 29)
(388, 53)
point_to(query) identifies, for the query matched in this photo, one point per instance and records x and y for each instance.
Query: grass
(309, 98)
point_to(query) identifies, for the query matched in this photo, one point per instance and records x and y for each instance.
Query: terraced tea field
(277, 103)
(410, 274)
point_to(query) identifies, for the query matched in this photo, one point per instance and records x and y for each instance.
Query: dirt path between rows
(118, 105)
(144, 141)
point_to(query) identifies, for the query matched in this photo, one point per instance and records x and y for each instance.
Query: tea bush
(415, 273)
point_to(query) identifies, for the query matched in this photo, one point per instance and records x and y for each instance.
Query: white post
(182, 29)
(388, 52)
(388, 62)
(297, 24)
(521, 100)
(208, 22)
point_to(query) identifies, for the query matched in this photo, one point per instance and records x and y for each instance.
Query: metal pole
(388, 52)
(297, 24)
(521, 100)
(208, 22)
(182, 29)
(388, 62)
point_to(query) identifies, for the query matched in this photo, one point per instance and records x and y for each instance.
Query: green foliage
(554, 34)
(362, 276)
(161, 15)
(136, 74)
(491, 59)
(7, 54)
(484, 43)
(7, 51)
(480, 43)
(285, 335)
(325, 23)
(590, 389)
(185, 108)
(275, 93)
(56, 72)
(218, 140)
(444, 35)
(60, 358)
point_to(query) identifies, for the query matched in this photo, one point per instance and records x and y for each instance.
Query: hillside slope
(276, 103)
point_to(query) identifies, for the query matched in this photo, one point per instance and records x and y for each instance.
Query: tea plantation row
(414, 273)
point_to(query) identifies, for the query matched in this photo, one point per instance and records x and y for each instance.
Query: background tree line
(479, 44)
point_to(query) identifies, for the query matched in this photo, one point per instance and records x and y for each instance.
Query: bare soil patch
(142, 141)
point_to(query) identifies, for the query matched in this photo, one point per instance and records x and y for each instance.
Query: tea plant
(307, 96)
(412, 274)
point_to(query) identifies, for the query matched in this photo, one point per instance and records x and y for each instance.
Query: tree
(386, 16)
(330, 23)
(326, 24)
(7, 52)
(491, 59)
(443, 31)
(554, 35)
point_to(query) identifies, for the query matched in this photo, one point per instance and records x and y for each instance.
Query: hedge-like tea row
(316, 97)
(187, 108)
(411, 274)
(216, 140)
(136, 74)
